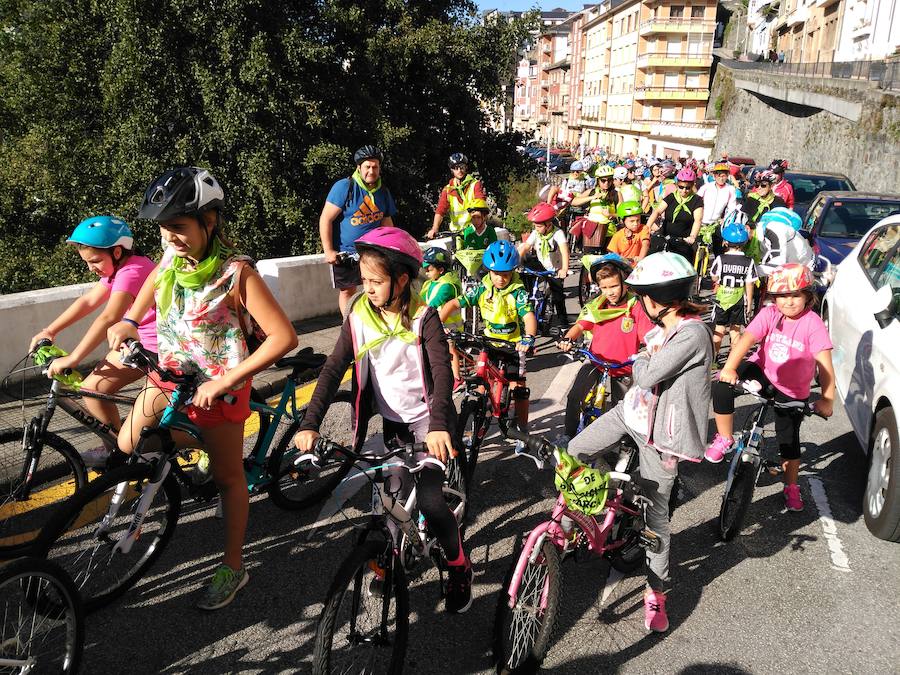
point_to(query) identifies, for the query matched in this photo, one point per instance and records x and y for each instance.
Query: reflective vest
(601, 207)
(459, 196)
(431, 289)
(498, 309)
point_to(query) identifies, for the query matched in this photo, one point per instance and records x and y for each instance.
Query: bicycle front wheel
(522, 633)
(41, 619)
(78, 539)
(472, 430)
(584, 287)
(737, 498)
(365, 624)
(29, 497)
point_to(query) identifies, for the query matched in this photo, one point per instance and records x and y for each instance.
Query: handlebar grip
(43, 342)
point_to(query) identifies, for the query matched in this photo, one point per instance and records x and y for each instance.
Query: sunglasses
(763, 183)
(605, 180)
(685, 187)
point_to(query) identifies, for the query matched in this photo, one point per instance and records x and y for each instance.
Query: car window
(890, 272)
(873, 255)
(806, 187)
(813, 214)
(851, 220)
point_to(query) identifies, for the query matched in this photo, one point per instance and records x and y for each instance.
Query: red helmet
(398, 245)
(541, 213)
(790, 278)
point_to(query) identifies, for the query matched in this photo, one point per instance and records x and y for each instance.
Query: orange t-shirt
(625, 247)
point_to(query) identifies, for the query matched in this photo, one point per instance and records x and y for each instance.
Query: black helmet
(456, 159)
(439, 257)
(367, 152)
(184, 191)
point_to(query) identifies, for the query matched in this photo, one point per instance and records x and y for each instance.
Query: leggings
(787, 422)
(558, 297)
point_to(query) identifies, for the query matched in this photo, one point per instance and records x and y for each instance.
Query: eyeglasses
(763, 183)
(685, 187)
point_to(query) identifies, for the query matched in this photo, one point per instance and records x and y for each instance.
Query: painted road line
(839, 559)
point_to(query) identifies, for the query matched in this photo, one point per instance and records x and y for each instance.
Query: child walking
(734, 277)
(666, 411)
(793, 344)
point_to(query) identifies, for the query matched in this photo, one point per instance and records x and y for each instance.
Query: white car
(862, 310)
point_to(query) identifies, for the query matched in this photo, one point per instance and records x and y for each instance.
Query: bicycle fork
(133, 533)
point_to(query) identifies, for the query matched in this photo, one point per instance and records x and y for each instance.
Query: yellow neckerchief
(544, 243)
(358, 179)
(363, 309)
(764, 203)
(595, 312)
(460, 186)
(682, 205)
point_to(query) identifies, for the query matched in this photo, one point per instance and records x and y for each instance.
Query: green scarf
(460, 187)
(682, 205)
(365, 188)
(544, 244)
(764, 204)
(595, 312)
(367, 314)
(176, 277)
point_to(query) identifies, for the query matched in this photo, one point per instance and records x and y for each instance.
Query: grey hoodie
(679, 375)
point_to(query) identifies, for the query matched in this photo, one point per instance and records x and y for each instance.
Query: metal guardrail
(885, 73)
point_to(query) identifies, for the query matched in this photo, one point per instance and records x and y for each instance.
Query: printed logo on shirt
(367, 212)
(627, 324)
(779, 353)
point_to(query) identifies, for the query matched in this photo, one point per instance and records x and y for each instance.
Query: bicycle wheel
(27, 502)
(581, 399)
(295, 488)
(522, 633)
(471, 429)
(77, 539)
(584, 287)
(737, 497)
(41, 619)
(456, 480)
(362, 630)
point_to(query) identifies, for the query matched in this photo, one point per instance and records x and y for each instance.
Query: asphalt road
(794, 592)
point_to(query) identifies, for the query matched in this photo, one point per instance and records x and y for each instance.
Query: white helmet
(620, 173)
(664, 277)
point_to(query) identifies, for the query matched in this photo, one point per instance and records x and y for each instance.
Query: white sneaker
(520, 447)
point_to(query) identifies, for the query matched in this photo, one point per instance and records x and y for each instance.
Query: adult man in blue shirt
(359, 203)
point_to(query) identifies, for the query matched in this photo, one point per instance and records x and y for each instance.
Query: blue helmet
(734, 233)
(613, 259)
(501, 256)
(102, 232)
(781, 215)
(576, 166)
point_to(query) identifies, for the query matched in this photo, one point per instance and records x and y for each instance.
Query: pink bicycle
(527, 609)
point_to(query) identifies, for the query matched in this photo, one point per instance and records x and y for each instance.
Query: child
(442, 286)
(106, 245)
(616, 323)
(479, 235)
(632, 242)
(794, 343)
(401, 370)
(503, 302)
(671, 387)
(197, 290)
(734, 278)
(552, 249)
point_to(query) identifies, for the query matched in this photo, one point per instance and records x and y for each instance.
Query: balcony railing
(698, 131)
(678, 25)
(661, 59)
(672, 93)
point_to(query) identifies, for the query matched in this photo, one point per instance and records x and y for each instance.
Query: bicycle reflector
(583, 488)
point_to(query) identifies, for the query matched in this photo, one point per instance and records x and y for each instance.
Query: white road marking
(839, 559)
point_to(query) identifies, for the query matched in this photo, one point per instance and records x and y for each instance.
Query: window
(695, 45)
(629, 22)
(671, 81)
(676, 12)
(689, 114)
(697, 12)
(673, 47)
(692, 79)
(873, 254)
(667, 113)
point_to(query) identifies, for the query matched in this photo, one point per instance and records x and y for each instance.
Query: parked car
(862, 311)
(808, 185)
(560, 163)
(837, 220)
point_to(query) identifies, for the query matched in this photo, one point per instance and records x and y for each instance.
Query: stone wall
(818, 124)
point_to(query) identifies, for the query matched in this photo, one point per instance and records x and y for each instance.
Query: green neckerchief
(595, 312)
(176, 276)
(764, 204)
(729, 296)
(681, 205)
(460, 187)
(367, 314)
(601, 197)
(362, 185)
(544, 244)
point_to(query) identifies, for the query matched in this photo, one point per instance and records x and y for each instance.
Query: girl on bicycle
(671, 389)
(552, 250)
(401, 370)
(106, 245)
(794, 343)
(198, 290)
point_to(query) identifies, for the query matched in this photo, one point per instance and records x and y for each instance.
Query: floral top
(201, 330)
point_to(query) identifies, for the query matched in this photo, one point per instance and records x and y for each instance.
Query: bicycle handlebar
(463, 338)
(325, 448)
(580, 353)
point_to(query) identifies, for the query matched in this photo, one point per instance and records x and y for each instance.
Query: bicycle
(527, 608)
(109, 533)
(41, 619)
(702, 255)
(364, 626)
(748, 462)
(539, 297)
(487, 394)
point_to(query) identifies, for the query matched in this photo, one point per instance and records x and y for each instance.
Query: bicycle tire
(49, 607)
(355, 575)
(71, 540)
(584, 287)
(737, 498)
(60, 474)
(294, 489)
(522, 658)
(471, 430)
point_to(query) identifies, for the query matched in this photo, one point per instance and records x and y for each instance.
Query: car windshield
(806, 187)
(852, 219)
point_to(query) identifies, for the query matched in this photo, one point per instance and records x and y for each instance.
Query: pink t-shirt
(128, 279)
(788, 348)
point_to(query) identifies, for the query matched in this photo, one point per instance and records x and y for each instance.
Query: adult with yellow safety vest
(603, 200)
(456, 197)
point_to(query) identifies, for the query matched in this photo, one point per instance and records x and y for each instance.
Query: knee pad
(520, 394)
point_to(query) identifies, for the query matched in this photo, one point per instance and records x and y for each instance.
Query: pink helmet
(398, 245)
(687, 175)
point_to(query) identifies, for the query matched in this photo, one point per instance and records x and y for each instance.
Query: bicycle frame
(491, 377)
(539, 292)
(748, 443)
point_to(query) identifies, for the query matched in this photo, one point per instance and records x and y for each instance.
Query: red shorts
(220, 413)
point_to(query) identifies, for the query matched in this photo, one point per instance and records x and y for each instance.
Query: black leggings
(787, 422)
(558, 297)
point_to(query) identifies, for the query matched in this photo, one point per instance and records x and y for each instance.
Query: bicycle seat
(305, 359)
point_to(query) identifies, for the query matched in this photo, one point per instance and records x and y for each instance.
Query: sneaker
(718, 449)
(792, 499)
(459, 588)
(520, 447)
(225, 584)
(200, 473)
(655, 618)
(95, 458)
(458, 385)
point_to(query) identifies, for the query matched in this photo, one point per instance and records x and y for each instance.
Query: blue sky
(528, 4)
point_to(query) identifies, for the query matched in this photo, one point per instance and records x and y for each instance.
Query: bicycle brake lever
(311, 458)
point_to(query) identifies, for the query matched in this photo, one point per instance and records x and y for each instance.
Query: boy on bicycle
(507, 314)
(479, 235)
(442, 286)
(632, 242)
(734, 279)
(552, 249)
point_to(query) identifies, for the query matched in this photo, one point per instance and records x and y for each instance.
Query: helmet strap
(659, 317)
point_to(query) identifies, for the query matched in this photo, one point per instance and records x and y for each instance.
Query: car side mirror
(884, 306)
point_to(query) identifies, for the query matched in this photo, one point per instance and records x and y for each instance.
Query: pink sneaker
(655, 618)
(717, 449)
(458, 385)
(792, 499)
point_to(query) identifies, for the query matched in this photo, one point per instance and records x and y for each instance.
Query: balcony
(671, 93)
(680, 25)
(694, 131)
(545, 84)
(666, 60)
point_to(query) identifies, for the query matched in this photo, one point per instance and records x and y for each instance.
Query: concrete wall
(817, 124)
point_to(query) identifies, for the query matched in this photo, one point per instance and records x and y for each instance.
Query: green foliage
(97, 97)
(522, 195)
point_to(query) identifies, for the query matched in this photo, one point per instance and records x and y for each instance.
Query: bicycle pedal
(650, 540)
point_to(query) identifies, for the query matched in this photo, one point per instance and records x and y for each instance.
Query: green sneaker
(224, 586)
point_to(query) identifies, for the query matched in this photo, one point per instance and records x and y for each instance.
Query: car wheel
(881, 503)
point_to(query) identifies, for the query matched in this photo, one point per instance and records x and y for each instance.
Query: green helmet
(628, 209)
(604, 171)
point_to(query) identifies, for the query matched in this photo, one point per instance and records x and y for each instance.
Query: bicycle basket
(583, 487)
(470, 258)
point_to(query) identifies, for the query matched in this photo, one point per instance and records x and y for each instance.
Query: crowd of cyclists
(637, 222)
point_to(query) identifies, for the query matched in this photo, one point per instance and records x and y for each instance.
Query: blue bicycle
(539, 297)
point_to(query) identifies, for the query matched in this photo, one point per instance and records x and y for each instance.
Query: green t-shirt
(473, 240)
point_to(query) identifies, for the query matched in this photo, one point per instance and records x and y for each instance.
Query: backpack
(781, 244)
(254, 335)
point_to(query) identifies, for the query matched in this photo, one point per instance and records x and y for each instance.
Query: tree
(99, 96)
